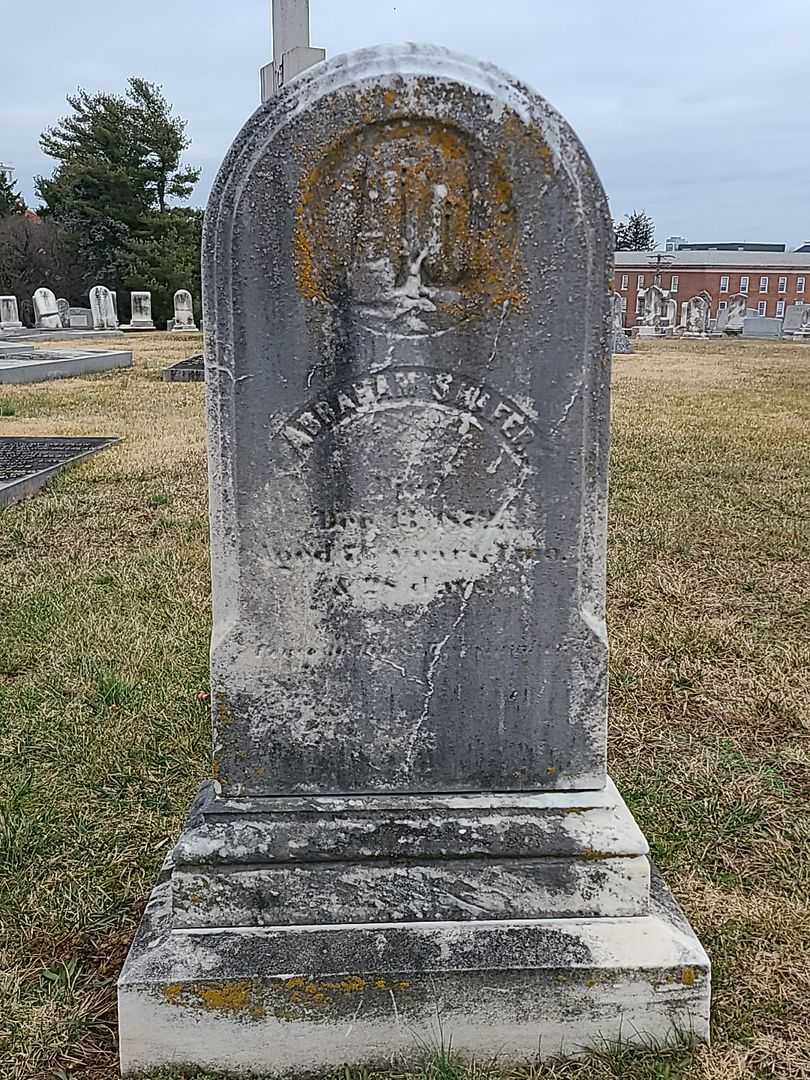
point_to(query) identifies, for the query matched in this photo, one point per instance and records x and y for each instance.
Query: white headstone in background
(141, 312)
(183, 321)
(63, 307)
(736, 314)
(45, 310)
(101, 304)
(9, 313)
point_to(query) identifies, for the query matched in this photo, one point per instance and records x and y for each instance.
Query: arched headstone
(184, 312)
(46, 311)
(406, 264)
(101, 305)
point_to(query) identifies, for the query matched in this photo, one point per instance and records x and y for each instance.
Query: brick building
(772, 280)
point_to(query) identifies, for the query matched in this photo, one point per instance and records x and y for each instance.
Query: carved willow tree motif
(412, 225)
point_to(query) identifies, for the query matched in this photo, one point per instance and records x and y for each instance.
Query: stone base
(313, 998)
(134, 328)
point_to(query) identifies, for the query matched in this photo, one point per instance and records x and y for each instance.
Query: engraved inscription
(399, 387)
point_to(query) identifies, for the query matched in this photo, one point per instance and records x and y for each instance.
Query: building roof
(739, 246)
(766, 260)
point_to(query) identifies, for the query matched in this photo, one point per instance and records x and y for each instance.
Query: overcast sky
(695, 111)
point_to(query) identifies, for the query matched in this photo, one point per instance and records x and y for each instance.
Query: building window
(722, 305)
(724, 283)
(800, 284)
(762, 307)
(782, 284)
(640, 281)
(763, 284)
(744, 280)
(639, 305)
(625, 281)
(624, 304)
(673, 286)
(780, 308)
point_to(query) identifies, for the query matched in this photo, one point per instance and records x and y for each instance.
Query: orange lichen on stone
(225, 997)
(173, 992)
(688, 977)
(400, 198)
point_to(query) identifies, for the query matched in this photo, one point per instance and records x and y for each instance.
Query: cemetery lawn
(104, 623)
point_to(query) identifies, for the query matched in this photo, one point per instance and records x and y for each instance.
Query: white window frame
(780, 309)
(764, 284)
(800, 281)
(674, 283)
(762, 308)
(782, 285)
(722, 305)
(625, 281)
(745, 284)
(724, 283)
(624, 304)
(640, 281)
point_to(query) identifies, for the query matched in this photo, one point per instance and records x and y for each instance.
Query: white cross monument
(292, 53)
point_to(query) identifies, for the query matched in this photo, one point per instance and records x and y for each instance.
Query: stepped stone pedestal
(411, 836)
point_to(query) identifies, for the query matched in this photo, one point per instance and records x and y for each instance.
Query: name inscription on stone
(401, 386)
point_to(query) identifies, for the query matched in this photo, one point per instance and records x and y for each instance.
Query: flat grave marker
(28, 365)
(27, 464)
(192, 369)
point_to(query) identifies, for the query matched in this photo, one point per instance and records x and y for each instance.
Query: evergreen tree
(167, 258)
(636, 233)
(10, 201)
(119, 159)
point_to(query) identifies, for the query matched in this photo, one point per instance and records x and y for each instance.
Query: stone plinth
(408, 450)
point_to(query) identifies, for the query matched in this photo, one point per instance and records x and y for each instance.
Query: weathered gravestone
(141, 307)
(80, 318)
(46, 311)
(9, 313)
(760, 327)
(183, 321)
(655, 312)
(621, 342)
(733, 318)
(695, 317)
(63, 307)
(412, 830)
(101, 305)
(797, 321)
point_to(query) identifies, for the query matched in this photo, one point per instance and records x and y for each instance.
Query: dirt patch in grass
(104, 625)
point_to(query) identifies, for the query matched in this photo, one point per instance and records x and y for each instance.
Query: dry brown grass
(104, 621)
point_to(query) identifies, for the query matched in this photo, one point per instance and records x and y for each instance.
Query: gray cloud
(694, 111)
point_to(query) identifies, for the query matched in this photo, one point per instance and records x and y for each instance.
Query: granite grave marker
(27, 464)
(408, 449)
(141, 306)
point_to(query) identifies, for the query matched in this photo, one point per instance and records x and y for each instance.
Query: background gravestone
(408, 431)
(101, 305)
(183, 321)
(47, 313)
(9, 313)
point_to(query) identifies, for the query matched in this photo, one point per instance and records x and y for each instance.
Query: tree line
(111, 210)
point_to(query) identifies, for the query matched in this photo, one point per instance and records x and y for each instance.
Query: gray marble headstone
(408, 450)
(63, 307)
(795, 317)
(736, 314)
(621, 342)
(695, 316)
